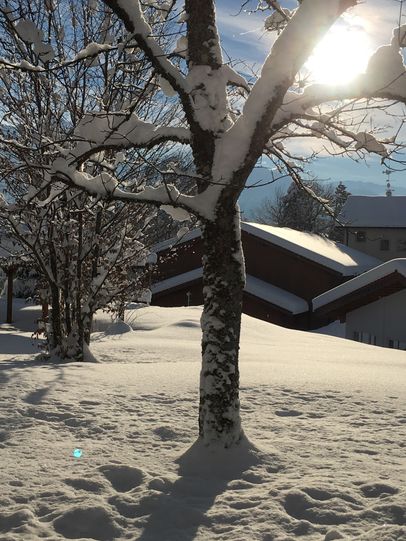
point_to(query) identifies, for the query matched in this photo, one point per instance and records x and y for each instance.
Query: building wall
(287, 270)
(379, 322)
(187, 295)
(191, 295)
(263, 260)
(373, 245)
(182, 258)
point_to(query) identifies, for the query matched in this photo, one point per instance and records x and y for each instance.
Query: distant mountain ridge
(253, 197)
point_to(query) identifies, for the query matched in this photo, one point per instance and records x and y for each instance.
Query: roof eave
(384, 286)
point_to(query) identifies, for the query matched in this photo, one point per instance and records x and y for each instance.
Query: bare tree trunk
(65, 345)
(55, 323)
(223, 281)
(10, 278)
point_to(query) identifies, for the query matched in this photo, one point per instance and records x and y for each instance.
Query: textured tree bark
(54, 329)
(223, 281)
(64, 345)
(10, 277)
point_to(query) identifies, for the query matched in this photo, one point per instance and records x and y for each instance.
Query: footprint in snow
(376, 490)
(85, 484)
(93, 522)
(123, 478)
(301, 506)
(288, 413)
(165, 433)
(15, 520)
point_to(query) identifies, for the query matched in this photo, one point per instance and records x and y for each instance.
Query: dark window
(361, 236)
(401, 245)
(396, 344)
(365, 337)
(384, 245)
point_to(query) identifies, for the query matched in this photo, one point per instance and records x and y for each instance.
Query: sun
(340, 56)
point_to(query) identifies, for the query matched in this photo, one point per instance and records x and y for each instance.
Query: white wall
(372, 244)
(384, 319)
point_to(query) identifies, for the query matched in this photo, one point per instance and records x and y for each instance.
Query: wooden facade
(273, 264)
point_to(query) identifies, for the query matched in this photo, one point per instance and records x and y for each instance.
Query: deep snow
(327, 416)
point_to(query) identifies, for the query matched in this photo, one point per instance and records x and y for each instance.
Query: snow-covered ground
(327, 414)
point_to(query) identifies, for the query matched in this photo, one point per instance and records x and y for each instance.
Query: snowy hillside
(327, 416)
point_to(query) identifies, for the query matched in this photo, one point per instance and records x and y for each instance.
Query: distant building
(285, 269)
(372, 305)
(375, 225)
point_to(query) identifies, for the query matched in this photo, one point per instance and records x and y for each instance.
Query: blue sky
(243, 38)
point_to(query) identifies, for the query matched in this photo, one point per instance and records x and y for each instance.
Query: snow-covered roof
(179, 279)
(254, 286)
(394, 265)
(175, 241)
(275, 295)
(333, 255)
(374, 211)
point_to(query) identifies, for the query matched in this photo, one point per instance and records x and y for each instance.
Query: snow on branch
(234, 78)
(97, 132)
(91, 50)
(290, 51)
(105, 185)
(130, 13)
(24, 65)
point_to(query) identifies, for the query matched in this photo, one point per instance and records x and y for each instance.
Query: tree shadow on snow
(38, 396)
(34, 397)
(16, 344)
(14, 420)
(183, 507)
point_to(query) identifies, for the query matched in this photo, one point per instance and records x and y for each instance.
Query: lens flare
(340, 56)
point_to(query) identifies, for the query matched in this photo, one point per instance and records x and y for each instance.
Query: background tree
(340, 197)
(86, 248)
(227, 137)
(299, 210)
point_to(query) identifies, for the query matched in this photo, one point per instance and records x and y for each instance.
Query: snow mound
(118, 327)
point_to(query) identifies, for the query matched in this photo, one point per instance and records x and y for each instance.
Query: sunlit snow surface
(328, 415)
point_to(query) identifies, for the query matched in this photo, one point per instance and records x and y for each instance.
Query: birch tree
(227, 138)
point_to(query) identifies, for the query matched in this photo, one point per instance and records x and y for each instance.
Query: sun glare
(340, 56)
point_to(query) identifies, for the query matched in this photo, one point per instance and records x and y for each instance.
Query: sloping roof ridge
(333, 257)
(374, 211)
(362, 196)
(352, 261)
(254, 286)
(365, 279)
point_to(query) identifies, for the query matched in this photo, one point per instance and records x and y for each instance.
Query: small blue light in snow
(77, 453)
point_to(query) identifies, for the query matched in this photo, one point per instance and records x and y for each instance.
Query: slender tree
(87, 248)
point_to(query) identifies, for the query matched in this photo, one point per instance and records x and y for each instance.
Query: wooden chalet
(285, 270)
